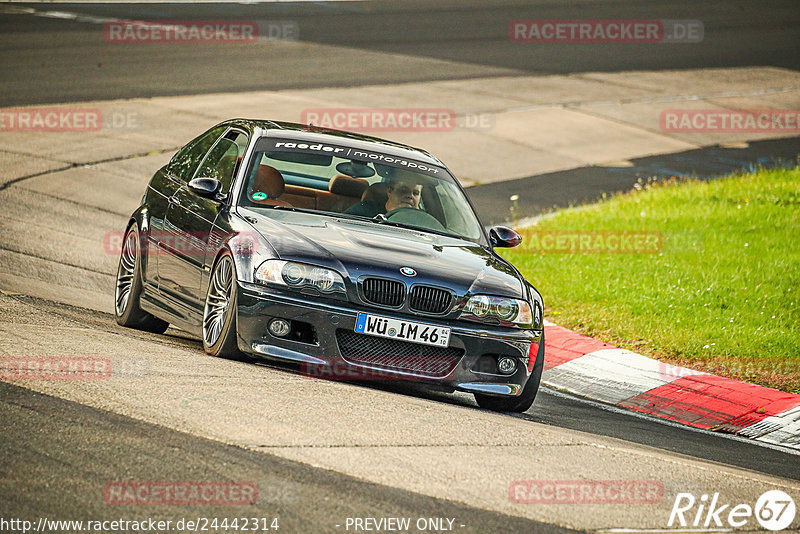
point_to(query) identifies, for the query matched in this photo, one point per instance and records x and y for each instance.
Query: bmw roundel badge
(408, 271)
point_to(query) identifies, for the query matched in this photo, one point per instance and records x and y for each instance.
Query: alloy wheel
(217, 301)
(126, 272)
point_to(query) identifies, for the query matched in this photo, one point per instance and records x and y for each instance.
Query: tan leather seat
(347, 186)
(378, 193)
(270, 182)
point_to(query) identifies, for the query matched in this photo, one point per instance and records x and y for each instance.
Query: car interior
(331, 184)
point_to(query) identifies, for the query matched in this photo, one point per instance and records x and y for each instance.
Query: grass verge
(709, 278)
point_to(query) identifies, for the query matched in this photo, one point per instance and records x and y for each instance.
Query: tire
(127, 309)
(219, 312)
(524, 400)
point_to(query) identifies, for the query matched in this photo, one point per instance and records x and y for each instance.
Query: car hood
(357, 248)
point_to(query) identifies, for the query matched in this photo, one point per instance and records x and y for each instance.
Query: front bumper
(466, 365)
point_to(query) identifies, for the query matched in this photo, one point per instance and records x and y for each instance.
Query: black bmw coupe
(355, 257)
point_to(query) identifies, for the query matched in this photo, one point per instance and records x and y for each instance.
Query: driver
(404, 191)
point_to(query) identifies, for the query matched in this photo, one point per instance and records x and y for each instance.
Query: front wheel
(127, 310)
(525, 399)
(219, 314)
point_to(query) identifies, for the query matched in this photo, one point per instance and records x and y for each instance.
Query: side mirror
(206, 187)
(504, 237)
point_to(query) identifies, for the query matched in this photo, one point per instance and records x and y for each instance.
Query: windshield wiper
(292, 208)
(314, 212)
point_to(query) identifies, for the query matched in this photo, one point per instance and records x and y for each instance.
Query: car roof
(309, 133)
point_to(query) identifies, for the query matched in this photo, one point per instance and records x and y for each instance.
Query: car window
(458, 218)
(223, 160)
(186, 160)
(341, 180)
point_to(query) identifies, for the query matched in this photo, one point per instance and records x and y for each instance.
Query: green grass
(723, 293)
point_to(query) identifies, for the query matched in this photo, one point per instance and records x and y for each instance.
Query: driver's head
(405, 190)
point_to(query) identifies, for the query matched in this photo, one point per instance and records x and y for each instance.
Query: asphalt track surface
(573, 187)
(46, 60)
(551, 407)
(59, 455)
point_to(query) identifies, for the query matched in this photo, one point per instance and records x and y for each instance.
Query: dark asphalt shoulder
(59, 455)
(548, 192)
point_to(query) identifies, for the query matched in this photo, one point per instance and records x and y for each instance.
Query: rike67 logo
(774, 510)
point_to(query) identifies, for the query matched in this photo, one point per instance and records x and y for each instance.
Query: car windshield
(340, 180)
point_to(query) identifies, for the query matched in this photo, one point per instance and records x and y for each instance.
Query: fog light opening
(279, 327)
(506, 365)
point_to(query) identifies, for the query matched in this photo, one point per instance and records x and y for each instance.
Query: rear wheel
(525, 399)
(127, 310)
(219, 314)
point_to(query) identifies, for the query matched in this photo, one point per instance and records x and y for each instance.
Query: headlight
(479, 306)
(538, 307)
(299, 275)
(505, 310)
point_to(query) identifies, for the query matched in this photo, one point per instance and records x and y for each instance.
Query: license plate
(424, 334)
